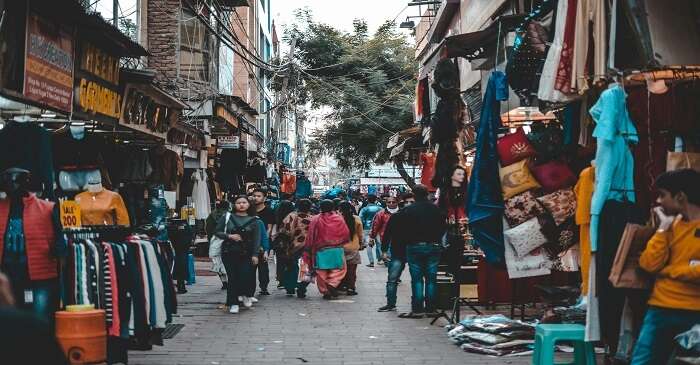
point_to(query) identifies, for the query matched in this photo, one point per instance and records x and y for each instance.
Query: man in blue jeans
(367, 216)
(421, 227)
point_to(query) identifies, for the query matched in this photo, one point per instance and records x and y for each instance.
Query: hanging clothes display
(427, 160)
(168, 168)
(231, 170)
(102, 208)
(304, 188)
(589, 14)
(76, 153)
(289, 183)
(28, 146)
(584, 193)
(547, 85)
(484, 198)
(200, 194)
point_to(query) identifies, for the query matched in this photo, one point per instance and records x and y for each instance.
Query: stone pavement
(284, 330)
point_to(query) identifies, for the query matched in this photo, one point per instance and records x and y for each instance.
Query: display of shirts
(589, 13)
(584, 193)
(168, 168)
(102, 208)
(289, 183)
(614, 162)
(426, 175)
(547, 90)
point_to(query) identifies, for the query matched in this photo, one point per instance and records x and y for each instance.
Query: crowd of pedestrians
(320, 242)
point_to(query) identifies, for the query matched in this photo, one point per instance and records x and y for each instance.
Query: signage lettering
(70, 214)
(48, 71)
(100, 63)
(95, 98)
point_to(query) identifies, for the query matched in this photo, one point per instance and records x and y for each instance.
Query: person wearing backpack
(241, 235)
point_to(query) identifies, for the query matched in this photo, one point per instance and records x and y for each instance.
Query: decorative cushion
(561, 204)
(554, 175)
(516, 179)
(514, 147)
(521, 208)
(559, 237)
(526, 237)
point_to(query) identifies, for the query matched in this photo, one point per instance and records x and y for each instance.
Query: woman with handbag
(296, 226)
(324, 249)
(352, 248)
(241, 242)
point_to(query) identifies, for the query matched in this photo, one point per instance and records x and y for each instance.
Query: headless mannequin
(77, 131)
(38, 296)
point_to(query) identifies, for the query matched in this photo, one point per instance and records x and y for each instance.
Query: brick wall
(163, 17)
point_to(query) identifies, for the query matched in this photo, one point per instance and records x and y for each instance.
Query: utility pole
(282, 111)
(115, 13)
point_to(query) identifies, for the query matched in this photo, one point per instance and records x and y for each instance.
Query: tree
(366, 83)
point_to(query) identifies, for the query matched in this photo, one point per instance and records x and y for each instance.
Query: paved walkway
(283, 330)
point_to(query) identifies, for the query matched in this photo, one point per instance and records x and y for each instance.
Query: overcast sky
(341, 13)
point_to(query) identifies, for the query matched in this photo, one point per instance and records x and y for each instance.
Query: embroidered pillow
(554, 175)
(514, 147)
(526, 237)
(516, 179)
(561, 204)
(521, 208)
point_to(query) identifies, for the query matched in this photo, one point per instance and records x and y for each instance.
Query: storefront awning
(475, 45)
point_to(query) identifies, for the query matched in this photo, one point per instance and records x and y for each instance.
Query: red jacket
(39, 235)
(379, 224)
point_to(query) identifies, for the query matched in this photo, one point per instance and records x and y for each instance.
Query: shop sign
(97, 83)
(224, 114)
(144, 113)
(70, 214)
(48, 70)
(228, 142)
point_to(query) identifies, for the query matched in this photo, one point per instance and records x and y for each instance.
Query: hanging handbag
(330, 258)
(625, 271)
(682, 160)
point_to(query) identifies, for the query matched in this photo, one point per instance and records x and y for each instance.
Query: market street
(283, 330)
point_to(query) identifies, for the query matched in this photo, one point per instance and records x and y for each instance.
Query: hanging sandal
(411, 315)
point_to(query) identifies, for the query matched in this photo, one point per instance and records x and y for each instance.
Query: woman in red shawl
(327, 229)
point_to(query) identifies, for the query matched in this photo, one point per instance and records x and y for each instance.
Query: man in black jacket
(420, 228)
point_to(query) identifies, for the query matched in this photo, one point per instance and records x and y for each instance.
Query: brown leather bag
(625, 272)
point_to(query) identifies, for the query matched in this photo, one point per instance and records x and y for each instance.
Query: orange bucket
(82, 335)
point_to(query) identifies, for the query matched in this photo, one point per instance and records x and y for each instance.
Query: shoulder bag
(330, 258)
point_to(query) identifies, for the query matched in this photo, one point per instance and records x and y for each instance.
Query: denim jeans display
(423, 259)
(394, 269)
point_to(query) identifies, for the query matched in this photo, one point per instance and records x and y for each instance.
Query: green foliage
(367, 83)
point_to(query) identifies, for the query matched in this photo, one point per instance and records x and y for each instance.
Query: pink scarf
(325, 230)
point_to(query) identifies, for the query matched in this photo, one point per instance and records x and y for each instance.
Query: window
(226, 81)
(194, 49)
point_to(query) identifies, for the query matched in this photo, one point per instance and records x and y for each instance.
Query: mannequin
(99, 206)
(30, 244)
(77, 130)
(77, 158)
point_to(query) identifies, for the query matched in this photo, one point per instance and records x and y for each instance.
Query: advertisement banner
(48, 71)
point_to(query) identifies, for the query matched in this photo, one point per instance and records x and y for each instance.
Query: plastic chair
(190, 269)
(547, 335)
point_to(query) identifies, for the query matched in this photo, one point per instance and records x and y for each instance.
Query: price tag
(70, 214)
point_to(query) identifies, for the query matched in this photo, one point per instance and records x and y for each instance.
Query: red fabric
(514, 147)
(115, 328)
(379, 224)
(428, 161)
(39, 234)
(325, 230)
(327, 278)
(554, 175)
(562, 81)
(289, 183)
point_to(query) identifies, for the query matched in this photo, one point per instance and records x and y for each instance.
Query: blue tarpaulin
(485, 202)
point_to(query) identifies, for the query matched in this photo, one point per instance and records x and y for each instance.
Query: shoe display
(387, 308)
(234, 309)
(247, 302)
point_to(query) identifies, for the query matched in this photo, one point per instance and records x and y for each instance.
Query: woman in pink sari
(327, 229)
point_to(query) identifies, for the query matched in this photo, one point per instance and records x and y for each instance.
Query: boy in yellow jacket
(673, 255)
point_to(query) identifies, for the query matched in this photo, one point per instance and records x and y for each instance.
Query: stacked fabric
(540, 203)
(495, 335)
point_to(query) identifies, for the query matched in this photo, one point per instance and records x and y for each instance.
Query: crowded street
(394, 182)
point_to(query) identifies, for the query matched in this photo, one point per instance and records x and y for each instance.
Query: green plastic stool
(547, 335)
